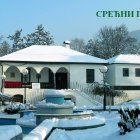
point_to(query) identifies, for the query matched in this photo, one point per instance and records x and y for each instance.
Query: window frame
(137, 72)
(125, 72)
(12, 75)
(90, 75)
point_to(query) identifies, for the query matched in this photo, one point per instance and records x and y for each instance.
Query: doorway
(61, 81)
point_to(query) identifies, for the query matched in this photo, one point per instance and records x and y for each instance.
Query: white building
(124, 74)
(51, 66)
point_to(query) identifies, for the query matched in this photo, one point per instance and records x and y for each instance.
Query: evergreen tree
(4, 48)
(17, 41)
(39, 37)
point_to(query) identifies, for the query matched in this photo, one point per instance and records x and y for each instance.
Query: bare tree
(78, 44)
(110, 42)
(92, 48)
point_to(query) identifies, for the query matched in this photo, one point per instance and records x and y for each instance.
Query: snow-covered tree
(39, 37)
(101, 89)
(78, 44)
(4, 48)
(92, 48)
(17, 41)
(111, 41)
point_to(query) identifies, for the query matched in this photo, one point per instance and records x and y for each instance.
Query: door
(61, 81)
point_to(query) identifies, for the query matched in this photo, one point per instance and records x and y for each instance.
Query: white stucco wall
(78, 72)
(45, 77)
(110, 75)
(132, 94)
(33, 76)
(115, 78)
(115, 75)
(15, 71)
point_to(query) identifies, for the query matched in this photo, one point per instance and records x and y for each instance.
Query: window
(89, 75)
(12, 75)
(125, 72)
(137, 72)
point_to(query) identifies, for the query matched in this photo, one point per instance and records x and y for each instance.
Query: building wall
(45, 77)
(33, 76)
(78, 72)
(132, 94)
(17, 74)
(115, 75)
(116, 79)
(110, 75)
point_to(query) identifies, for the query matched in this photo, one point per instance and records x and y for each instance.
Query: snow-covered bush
(129, 119)
(14, 108)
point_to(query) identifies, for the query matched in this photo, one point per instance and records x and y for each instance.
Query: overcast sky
(65, 19)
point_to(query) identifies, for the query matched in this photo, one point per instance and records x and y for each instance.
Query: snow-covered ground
(9, 132)
(43, 129)
(110, 131)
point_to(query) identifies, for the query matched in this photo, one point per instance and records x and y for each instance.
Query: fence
(35, 95)
(32, 95)
(88, 89)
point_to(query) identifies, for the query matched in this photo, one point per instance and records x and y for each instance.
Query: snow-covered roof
(125, 59)
(44, 53)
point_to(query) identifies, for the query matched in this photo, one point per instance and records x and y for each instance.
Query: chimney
(66, 44)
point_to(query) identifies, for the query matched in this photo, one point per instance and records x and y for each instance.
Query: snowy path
(108, 132)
